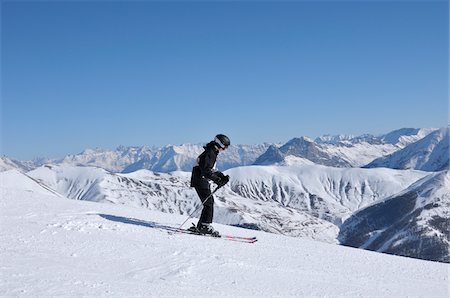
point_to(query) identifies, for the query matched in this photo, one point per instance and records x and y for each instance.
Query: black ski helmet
(222, 141)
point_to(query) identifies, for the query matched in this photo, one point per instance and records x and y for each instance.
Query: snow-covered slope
(428, 154)
(95, 184)
(297, 200)
(328, 193)
(170, 192)
(415, 222)
(51, 247)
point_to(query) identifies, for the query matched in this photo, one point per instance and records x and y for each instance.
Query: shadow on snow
(138, 222)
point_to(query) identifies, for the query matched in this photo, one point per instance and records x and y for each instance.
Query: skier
(204, 171)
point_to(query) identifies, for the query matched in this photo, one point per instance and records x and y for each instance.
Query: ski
(231, 237)
(224, 237)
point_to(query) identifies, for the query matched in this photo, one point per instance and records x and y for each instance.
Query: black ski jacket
(203, 170)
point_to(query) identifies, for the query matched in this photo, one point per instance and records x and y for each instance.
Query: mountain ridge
(414, 222)
(336, 151)
(430, 153)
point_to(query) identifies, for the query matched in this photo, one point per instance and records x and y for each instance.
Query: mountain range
(430, 153)
(388, 150)
(344, 150)
(336, 189)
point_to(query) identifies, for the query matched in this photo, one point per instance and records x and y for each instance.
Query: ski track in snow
(51, 246)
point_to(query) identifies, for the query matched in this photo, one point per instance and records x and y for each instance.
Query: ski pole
(192, 213)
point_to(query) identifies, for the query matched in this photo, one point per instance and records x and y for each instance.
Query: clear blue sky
(84, 74)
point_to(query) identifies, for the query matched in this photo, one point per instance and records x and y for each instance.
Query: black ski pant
(208, 205)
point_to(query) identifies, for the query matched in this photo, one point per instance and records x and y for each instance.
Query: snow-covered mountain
(334, 154)
(297, 200)
(304, 148)
(349, 139)
(110, 160)
(336, 151)
(183, 157)
(51, 246)
(430, 153)
(170, 192)
(291, 193)
(168, 159)
(328, 193)
(414, 223)
(9, 164)
(343, 150)
(405, 136)
(302, 200)
(400, 137)
(165, 159)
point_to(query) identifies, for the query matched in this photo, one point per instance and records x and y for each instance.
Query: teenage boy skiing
(204, 171)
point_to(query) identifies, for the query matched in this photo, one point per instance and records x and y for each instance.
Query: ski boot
(207, 229)
(193, 229)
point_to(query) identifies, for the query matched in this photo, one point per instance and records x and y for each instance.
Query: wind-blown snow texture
(51, 246)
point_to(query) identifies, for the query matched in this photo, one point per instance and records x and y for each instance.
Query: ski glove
(223, 180)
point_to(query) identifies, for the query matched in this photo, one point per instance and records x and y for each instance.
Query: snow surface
(51, 246)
